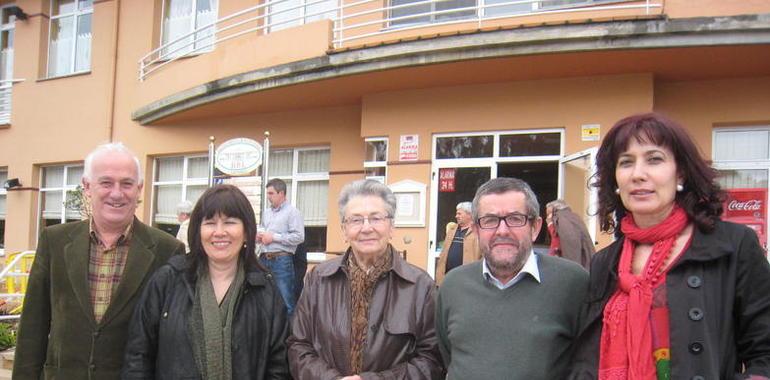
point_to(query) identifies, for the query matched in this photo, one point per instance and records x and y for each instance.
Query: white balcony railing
(362, 19)
(6, 87)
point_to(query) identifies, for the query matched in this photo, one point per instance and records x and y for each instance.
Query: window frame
(10, 27)
(64, 188)
(185, 182)
(191, 32)
(297, 177)
(76, 14)
(377, 164)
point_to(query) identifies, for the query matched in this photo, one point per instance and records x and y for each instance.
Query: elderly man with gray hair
(460, 244)
(88, 275)
(183, 211)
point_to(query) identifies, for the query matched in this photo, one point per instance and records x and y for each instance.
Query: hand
(353, 377)
(265, 237)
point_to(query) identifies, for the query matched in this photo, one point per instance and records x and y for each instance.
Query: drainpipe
(111, 122)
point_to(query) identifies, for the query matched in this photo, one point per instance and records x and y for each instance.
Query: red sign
(446, 180)
(749, 207)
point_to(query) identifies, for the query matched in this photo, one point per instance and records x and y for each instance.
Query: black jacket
(719, 303)
(160, 343)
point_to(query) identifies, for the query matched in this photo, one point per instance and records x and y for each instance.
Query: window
(176, 179)
(55, 184)
(69, 46)
(287, 13)
(306, 173)
(3, 207)
(430, 12)
(7, 26)
(182, 17)
(742, 158)
(376, 160)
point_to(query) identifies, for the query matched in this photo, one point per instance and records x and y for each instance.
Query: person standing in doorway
(569, 236)
(283, 230)
(460, 245)
(183, 211)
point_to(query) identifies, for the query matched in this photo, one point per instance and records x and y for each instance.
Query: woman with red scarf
(681, 294)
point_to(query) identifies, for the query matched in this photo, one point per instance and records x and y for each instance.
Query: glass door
(576, 172)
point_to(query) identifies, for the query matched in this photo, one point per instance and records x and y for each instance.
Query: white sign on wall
(238, 156)
(407, 150)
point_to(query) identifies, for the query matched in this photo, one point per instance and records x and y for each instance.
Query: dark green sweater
(523, 332)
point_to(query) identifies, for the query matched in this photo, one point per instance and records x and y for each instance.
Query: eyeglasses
(374, 220)
(490, 222)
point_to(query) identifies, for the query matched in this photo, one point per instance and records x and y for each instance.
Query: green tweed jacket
(58, 334)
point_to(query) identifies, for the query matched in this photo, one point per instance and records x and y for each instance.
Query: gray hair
(114, 147)
(557, 204)
(184, 207)
(503, 185)
(364, 188)
(465, 206)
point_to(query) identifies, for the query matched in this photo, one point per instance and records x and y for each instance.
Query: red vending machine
(748, 207)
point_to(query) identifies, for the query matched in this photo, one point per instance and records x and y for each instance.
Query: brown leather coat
(471, 251)
(401, 344)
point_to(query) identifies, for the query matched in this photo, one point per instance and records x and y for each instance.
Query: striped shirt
(105, 268)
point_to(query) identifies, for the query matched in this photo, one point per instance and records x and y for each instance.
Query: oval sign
(238, 156)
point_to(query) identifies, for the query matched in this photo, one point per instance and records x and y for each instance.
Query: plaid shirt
(105, 268)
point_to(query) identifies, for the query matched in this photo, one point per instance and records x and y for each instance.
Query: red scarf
(626, 342)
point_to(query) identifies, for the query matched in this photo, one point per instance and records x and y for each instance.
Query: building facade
(432, 97)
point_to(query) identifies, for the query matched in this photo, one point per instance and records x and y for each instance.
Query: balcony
(358, 23)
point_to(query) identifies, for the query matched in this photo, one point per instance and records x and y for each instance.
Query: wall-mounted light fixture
(11, 183)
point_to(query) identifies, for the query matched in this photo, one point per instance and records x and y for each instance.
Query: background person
(682, 295)
(514, 314)
(284, 230)
(183, 210)
(460, 244)
(569, 236)
(88, 275)
(213, 314)
(369, 313)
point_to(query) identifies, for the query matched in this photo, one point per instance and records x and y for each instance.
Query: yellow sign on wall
(590, 132)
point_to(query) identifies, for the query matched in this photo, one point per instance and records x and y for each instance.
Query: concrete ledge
(599, 36)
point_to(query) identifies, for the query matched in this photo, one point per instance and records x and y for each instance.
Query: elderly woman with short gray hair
(368, 314)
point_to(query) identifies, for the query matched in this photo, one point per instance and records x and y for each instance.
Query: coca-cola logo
(750, 205)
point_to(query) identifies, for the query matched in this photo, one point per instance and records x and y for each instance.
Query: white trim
(378, 164)
(184, 182)
(407, 187)
(593, 195)
(64, 188)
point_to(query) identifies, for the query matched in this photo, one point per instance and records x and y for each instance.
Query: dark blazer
(58, 334)
(159, 340)
(719, 304)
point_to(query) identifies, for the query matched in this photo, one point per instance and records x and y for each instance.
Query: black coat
(719, 303)
(159, 339)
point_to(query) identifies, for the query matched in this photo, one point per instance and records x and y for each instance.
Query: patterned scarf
(626, 350)
(362, 284)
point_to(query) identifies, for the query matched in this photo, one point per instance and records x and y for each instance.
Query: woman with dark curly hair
(681, 294)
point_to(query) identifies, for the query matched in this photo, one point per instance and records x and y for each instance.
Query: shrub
(7, 336)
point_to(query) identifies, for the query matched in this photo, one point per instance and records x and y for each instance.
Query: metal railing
(15, 275)
(6, 92)
(363, 19)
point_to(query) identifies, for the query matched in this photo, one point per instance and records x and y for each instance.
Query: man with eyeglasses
(514, 314)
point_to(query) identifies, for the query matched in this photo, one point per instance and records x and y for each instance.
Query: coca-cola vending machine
(747, 206)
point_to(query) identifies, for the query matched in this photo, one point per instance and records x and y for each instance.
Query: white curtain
(743, 179)
(198, 167)
(280, 163)
(6, 63)
(313, 161)
(83, 44)
(166, 199)
(60, 47)
(170, 169)
(195, 192)
(72, 214)
(74, 175)
(176, 23)
(53, 176)
(312, 197)
(323, 10)
(741, 145)
(2, 207)
(205, 17)
(52, 204)
(285, 14)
